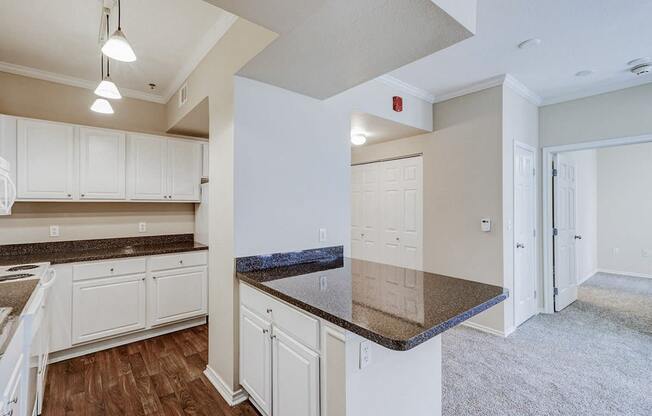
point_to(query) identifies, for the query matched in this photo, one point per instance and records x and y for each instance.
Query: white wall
(587, 213)
(292, 163)
(624, 209)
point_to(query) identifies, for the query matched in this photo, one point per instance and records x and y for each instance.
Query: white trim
(80, 350)
(597, 89)
(488, 330)
(232, 397)
(629, 274)
(471, 88)
(520, 88)
(204, 46)
(548, 154)
(75, 82)
(587, 277)
(393, 82)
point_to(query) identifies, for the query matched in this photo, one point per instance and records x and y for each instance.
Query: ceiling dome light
(108, 89)
(529, 43)
(642, 69)
(117, 46)
(102, 106)
(358, 139)
(584, 73)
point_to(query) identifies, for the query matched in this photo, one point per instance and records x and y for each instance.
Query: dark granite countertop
(13, 298)
(88, 250)
(395, 307)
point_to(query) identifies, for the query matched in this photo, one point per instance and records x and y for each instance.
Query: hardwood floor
(158, 376)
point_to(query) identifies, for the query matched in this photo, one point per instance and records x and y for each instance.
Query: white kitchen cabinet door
(107, 307)
(185, 168)
(147, 168)
(295, 377)
(178, 294)
(45, 160)
(101, 164)
(256, 358)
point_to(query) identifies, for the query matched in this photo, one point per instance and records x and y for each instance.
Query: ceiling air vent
(183, 94)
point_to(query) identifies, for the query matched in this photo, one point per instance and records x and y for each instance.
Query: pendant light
(102, 106)
(117, 47)
(107, 88)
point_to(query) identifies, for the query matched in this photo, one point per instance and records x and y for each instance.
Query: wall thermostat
(485, 225)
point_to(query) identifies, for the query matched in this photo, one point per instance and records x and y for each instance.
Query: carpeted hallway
(593, 358)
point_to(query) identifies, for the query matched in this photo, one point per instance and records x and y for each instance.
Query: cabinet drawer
(302, 327)
(173, 261)
(108, 268)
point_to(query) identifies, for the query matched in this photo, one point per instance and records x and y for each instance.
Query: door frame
(536, 221)
(548, 156)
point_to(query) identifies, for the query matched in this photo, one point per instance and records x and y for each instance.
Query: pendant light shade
(102, 106)
(118, 48)
(107, 89)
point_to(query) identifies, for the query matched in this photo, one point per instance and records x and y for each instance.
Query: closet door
(356, 212)
(101, 164)
(45, 160)
(370, 212)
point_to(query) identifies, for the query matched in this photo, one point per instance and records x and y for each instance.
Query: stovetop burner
(23, 267)
(15, 276)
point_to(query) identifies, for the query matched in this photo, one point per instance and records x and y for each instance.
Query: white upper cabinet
(148, 162)
(185, 169)
(101, 164)
(164, 169)
(45, 160)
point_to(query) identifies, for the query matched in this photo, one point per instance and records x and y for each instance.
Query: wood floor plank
(161, 376)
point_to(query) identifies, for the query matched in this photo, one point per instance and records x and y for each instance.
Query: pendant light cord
(108, 60)
(119, 10)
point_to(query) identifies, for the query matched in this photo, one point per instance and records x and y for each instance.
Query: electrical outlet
(322, 235)
(365, 354)
(54, 231)
(615, 251)
(646, 252)
(142, 227)
(323, 283)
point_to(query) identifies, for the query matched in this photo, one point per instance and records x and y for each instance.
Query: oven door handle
(10, 195)
(51, 280)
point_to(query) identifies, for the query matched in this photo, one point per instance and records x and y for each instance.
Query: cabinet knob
(265, 331)
(69, 196)
(398, 239)
(111, 270)
(83, 195)
(273, 336)
(180, 261)
(269, 310)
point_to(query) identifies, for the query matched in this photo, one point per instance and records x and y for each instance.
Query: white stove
(23, 271)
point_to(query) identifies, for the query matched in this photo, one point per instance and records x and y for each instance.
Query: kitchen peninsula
(330, 335)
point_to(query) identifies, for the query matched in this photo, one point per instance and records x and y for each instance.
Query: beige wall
(622, 113)
(462, 171)
(30, 97)
(30, 222)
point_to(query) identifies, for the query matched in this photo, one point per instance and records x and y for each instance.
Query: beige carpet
(593, 358)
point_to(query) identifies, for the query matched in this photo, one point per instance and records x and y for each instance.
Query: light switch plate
(322, 235)
(54, 231)
(142, 227)
(365, 354)
(485, 225)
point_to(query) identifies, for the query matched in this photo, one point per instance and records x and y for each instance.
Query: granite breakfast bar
(378, 344)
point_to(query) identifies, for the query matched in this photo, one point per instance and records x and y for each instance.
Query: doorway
(594, 229)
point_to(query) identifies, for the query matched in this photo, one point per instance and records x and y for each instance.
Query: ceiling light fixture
(584, 73)
(529, 43)
(639, 61)
(102, 106)
(358, 139)
(117, 46)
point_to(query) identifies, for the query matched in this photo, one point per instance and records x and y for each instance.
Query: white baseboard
(632, 274)
(587, 277)
(84, 349)
(488, 330)
(232, 397)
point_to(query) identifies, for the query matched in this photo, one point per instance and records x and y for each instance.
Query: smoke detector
(642, 69)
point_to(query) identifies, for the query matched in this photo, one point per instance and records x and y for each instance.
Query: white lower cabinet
(178, 294)
(256, 358)
(108, 307)
(277, 367)
(295, 377)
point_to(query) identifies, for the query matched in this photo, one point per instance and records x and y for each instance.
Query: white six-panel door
(101, 164)
(564, 219)
(524, 234)
(387, 212)
(45, 160)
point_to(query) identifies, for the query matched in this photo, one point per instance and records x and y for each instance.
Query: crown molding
(75, 82)
(520, 88)
(207, 43)
(596, 90)
(407, 88)
(471, 88)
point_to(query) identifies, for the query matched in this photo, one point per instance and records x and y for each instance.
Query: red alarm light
(397, 104)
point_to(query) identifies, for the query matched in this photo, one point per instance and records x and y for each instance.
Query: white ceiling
(599, 35)
(58, 41)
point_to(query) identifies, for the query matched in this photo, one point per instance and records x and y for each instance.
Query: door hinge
(554, 172)
(534, 233)
(555, 232)
(534, 171)
(556, 291)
